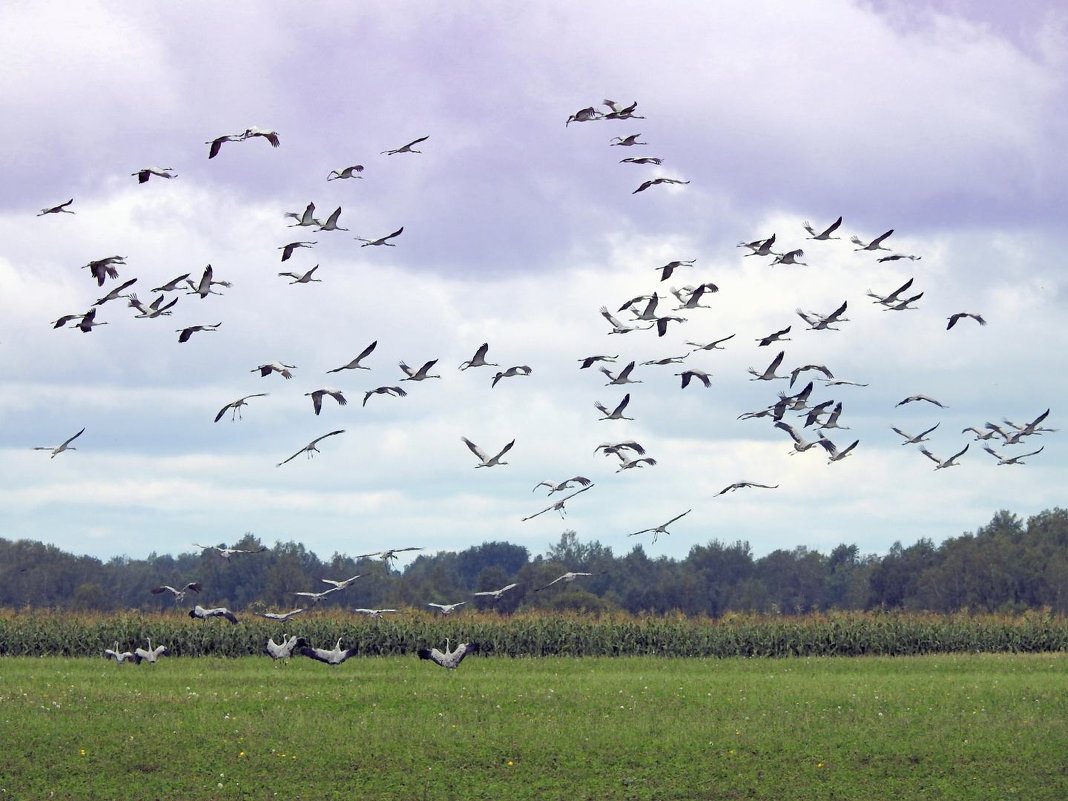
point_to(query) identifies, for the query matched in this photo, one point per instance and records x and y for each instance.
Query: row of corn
(41, 633)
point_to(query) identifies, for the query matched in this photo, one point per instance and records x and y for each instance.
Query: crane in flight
(408, 148)
(479, 359)
(185, 333)
(662, 528)
(381, 240)
(1011, 459)
(281, 617)
(769, 371)
(484, 458)
(626, 141)
(558, 506)
(737, 485)
(790, 257)
(759, 247)
(421, 374)
(275, 367)
(311, 448)
(226, 553)
(396, 392)
(824, 234)
(615, 414)
(317, 398)
(355, 363)
(102, 269)
(302, 278)
(911, 439)
(447, 609)
(915, 398)
(160, 172)
(567, 578)
(346, 172)
(511, 372)
(820, 322)
(893, 297)
(270, 136)
(236, 406)
(832, 449)
(287, 250)
(656, 182)
(177, 592)
(60, 209)
(198, 612)
(943, 463)
(580, 481)
(388, 556)
(955, 318)
(495, 594)
(622, 378)
(875, 244)
(63, 446)
(331, 222)
(305, 219)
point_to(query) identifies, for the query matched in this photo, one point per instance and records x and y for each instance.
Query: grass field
(933, 727)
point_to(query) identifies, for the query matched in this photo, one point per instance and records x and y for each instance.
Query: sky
(945, 122)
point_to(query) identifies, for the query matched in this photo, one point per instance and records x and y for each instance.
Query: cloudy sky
(945, 122)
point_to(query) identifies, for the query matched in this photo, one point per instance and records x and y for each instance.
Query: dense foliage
(1007, 565)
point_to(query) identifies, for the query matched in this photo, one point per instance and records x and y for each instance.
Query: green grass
(934, 727)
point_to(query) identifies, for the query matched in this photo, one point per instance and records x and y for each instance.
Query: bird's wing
(69, 441)
(524, 519)
(315, 653)
(477, 451)
(930, 456)
(291, 458)
(672, 520)
(879, 240)
(505, 449)
(789, 429)
(324, 436)
(622, 404)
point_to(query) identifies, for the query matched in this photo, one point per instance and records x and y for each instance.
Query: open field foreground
(934, 727)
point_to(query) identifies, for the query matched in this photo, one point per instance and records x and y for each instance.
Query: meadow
(954, 726)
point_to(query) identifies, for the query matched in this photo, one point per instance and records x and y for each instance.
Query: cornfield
(37, 633)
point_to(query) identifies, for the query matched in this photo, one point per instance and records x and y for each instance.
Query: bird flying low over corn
(198, 612)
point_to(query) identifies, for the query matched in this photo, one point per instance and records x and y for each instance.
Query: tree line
(1008, 565)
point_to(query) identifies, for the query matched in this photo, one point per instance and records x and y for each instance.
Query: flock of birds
(815, 418)
(290, 645)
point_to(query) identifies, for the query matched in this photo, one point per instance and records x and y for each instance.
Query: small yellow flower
(241, 754)
(82, 752)
(510, 763)
(819, 764)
